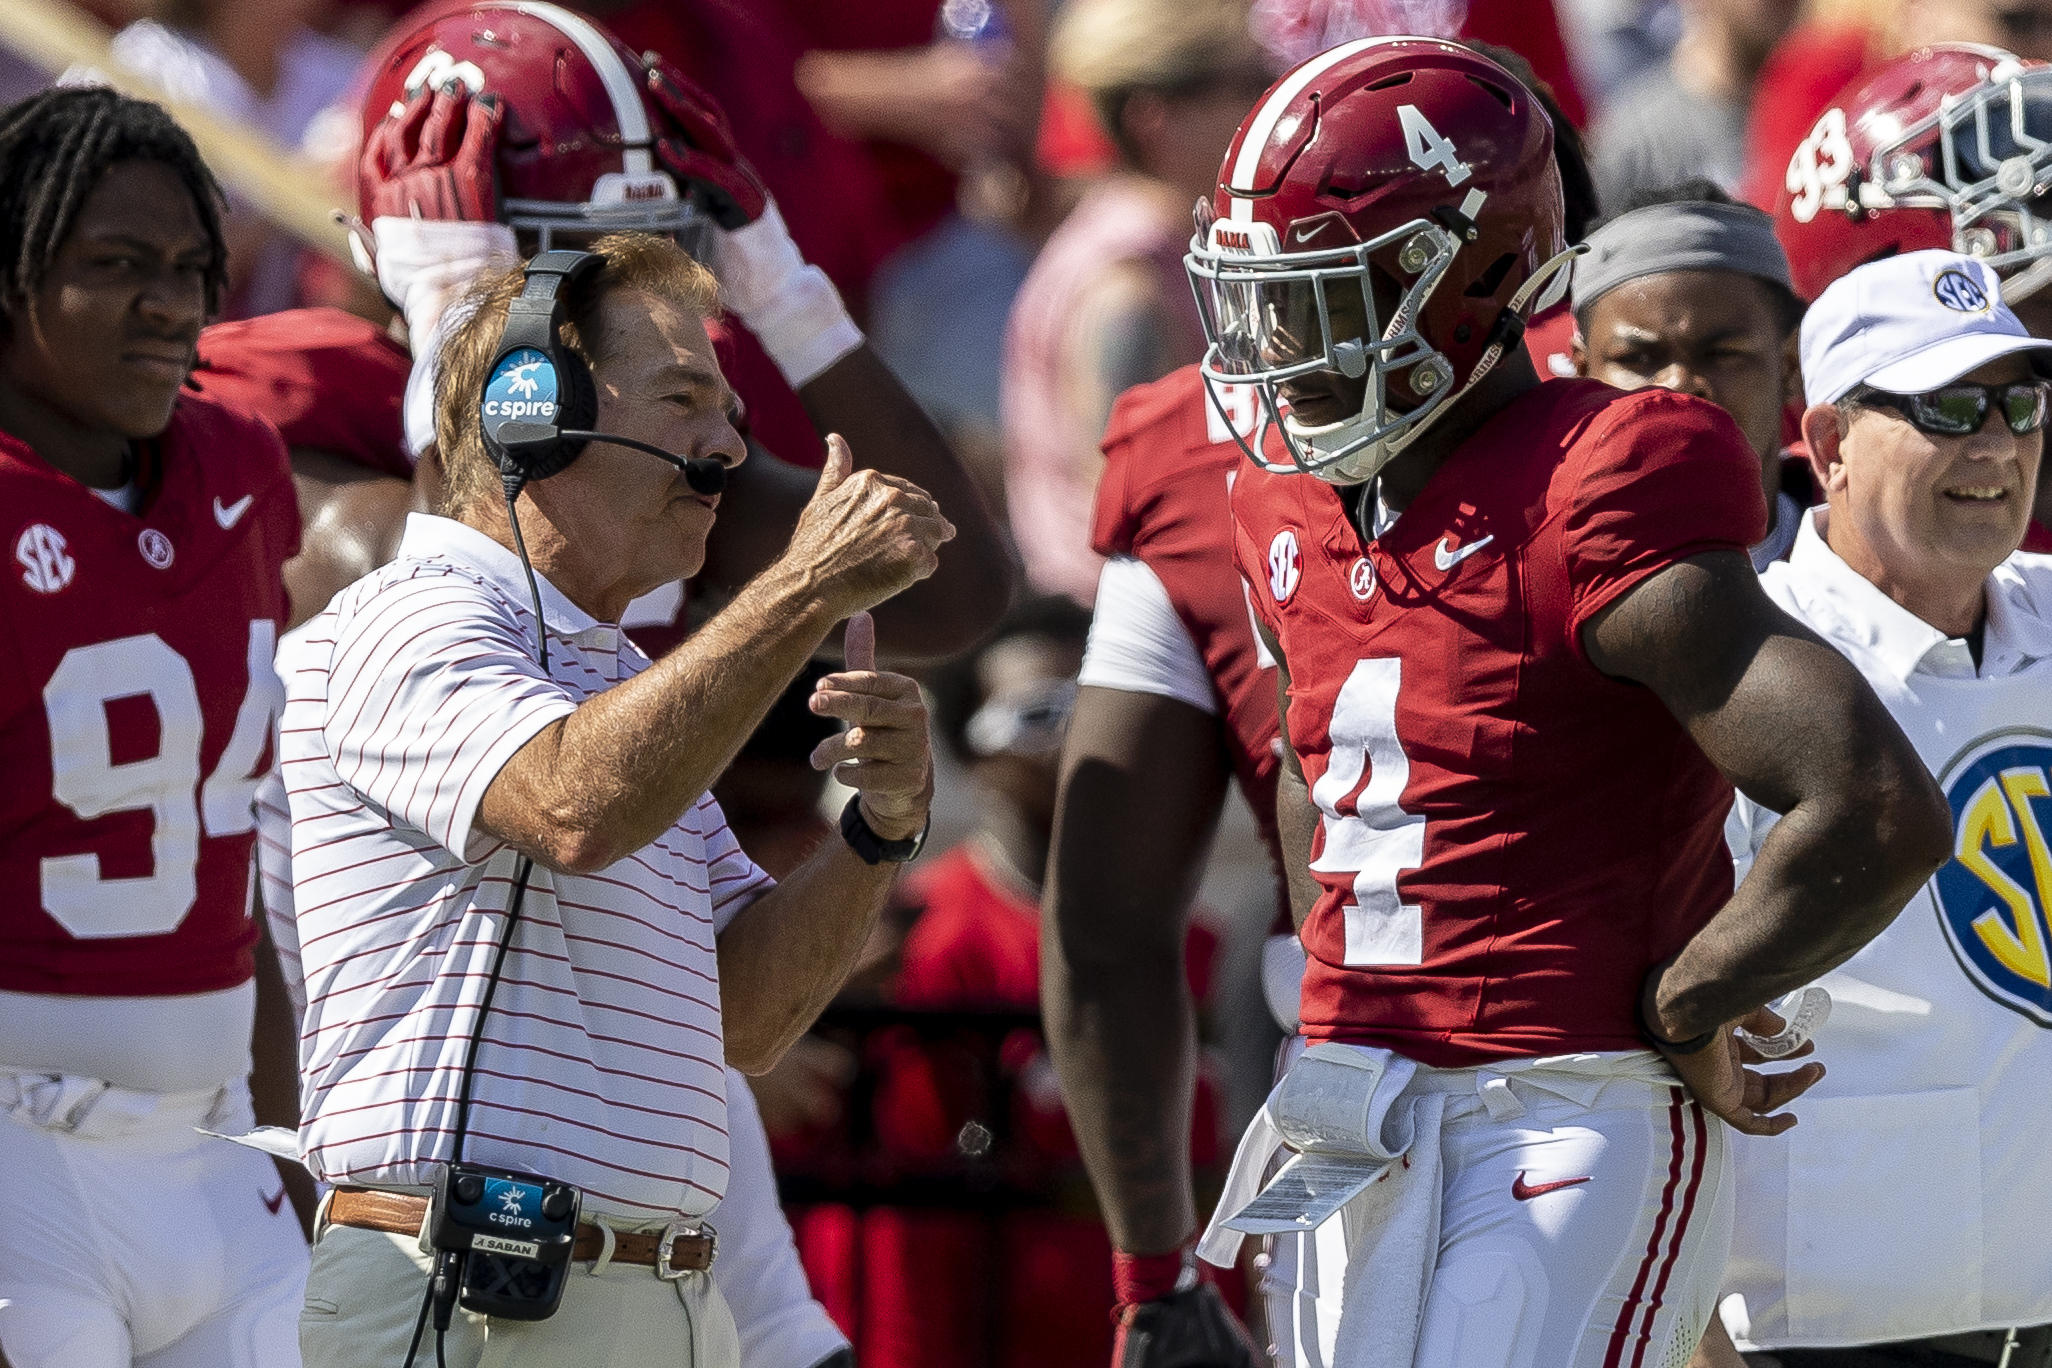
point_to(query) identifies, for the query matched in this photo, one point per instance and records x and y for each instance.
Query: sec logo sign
(1995, 894)
(46, 563)
(1285, 565)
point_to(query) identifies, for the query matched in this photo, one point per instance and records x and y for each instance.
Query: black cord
(541, 628)
(420, 1322)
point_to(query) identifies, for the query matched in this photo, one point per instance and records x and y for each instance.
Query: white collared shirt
(602, 1064)
(1911, 1199)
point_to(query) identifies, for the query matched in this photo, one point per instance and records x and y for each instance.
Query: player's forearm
(617, 773)
(860, 398)
(1296, 822)
(1123, 1039)
(783, 959)
(1830, 877)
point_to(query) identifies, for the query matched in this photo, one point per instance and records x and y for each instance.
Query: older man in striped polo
(430, 758)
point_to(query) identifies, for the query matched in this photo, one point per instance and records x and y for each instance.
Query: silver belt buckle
(668, 1243)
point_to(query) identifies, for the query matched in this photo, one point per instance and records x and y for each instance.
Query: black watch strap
(874, 849)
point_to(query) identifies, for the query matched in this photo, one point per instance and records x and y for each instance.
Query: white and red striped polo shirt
(602, 1057)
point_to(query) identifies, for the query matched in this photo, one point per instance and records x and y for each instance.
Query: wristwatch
(874, 849)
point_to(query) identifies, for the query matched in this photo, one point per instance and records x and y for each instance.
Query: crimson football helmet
(578, 150)
(1949, 146)
(1414, 163)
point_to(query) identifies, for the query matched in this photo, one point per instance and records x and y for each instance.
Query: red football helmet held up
(1949, 146)
(1410, 163)
(568, 129)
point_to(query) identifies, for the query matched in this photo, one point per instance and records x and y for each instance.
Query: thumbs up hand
(865, 536)
(885, 754)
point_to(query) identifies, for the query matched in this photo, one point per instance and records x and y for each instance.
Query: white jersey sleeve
(758, 1272)
(442, 688)
(1138, 644)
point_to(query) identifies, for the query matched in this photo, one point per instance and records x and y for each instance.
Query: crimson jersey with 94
(137, 709)
(1508, 838)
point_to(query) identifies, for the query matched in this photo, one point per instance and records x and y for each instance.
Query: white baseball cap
(1907, 324)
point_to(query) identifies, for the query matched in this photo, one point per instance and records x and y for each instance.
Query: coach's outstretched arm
(1792, 724)
(618, 772)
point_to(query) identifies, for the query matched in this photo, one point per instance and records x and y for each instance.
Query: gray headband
(1679, 237)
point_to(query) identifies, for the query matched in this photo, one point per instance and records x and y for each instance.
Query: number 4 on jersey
(1428, 150)
(1367, 831)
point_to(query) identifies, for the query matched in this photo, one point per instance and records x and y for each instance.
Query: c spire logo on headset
(522, 386)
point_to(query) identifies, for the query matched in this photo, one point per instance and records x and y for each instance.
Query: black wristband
(874, 849)
(1693, 1045)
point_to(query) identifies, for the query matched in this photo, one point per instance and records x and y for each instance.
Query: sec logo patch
(46, 563)
(1994, 894)
(155, 548)
(1960, 292)
(1285, 565)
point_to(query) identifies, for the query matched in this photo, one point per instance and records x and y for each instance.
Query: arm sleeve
(433, 686)
(1138, 644)
(735, 880)
(1667, 477)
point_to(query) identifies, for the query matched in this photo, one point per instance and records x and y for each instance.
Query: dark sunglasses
(1960, 410)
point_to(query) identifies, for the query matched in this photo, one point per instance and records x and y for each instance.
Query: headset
(502, 1240)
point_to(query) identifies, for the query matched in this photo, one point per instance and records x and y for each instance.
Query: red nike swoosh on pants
(1524, 1192)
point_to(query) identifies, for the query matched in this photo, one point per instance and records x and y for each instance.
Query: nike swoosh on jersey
(1523, 1191)
(271, 1204)
(231, 514)
(1447, 560)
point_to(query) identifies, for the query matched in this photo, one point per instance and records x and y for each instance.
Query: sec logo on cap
(1959, 291)
(1993, 896)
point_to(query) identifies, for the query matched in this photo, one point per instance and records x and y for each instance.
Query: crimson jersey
(1508, 839)
(1170, 461)
(323, 378)
(137, 710)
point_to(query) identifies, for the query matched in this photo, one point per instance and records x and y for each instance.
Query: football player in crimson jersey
(1177, 698)
(145, 533)
(1523, 659)
(1923, 153)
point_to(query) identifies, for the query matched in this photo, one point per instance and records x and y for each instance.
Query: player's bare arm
(1296, 817)
(352, 518)
(1119, 1014)
(1790, 722)
(860, 398)
(611, 777)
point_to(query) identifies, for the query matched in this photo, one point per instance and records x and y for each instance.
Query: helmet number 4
(1429, 151)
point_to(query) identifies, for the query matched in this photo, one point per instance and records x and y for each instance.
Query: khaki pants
(365, 1291)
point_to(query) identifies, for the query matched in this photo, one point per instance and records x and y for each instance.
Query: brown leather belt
(400, 1213)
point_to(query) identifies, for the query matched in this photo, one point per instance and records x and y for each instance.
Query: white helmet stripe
(1262, 126)
(621, 84)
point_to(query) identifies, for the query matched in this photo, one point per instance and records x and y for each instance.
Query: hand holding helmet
(433, 159)
(699, 149)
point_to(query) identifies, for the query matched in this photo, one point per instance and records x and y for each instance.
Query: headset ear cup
(580, 400)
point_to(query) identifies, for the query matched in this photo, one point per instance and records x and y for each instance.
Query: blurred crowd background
(1001, 189)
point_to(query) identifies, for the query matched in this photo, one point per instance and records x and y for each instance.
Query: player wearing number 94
(144, 534)
(1524, 658)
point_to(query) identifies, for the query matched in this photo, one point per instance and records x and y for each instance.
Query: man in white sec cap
(1904, 1221)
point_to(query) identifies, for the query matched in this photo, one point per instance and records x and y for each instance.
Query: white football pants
(126, 1238)
(1573, 1234)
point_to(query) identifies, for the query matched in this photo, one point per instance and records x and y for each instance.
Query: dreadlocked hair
(55, 146)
